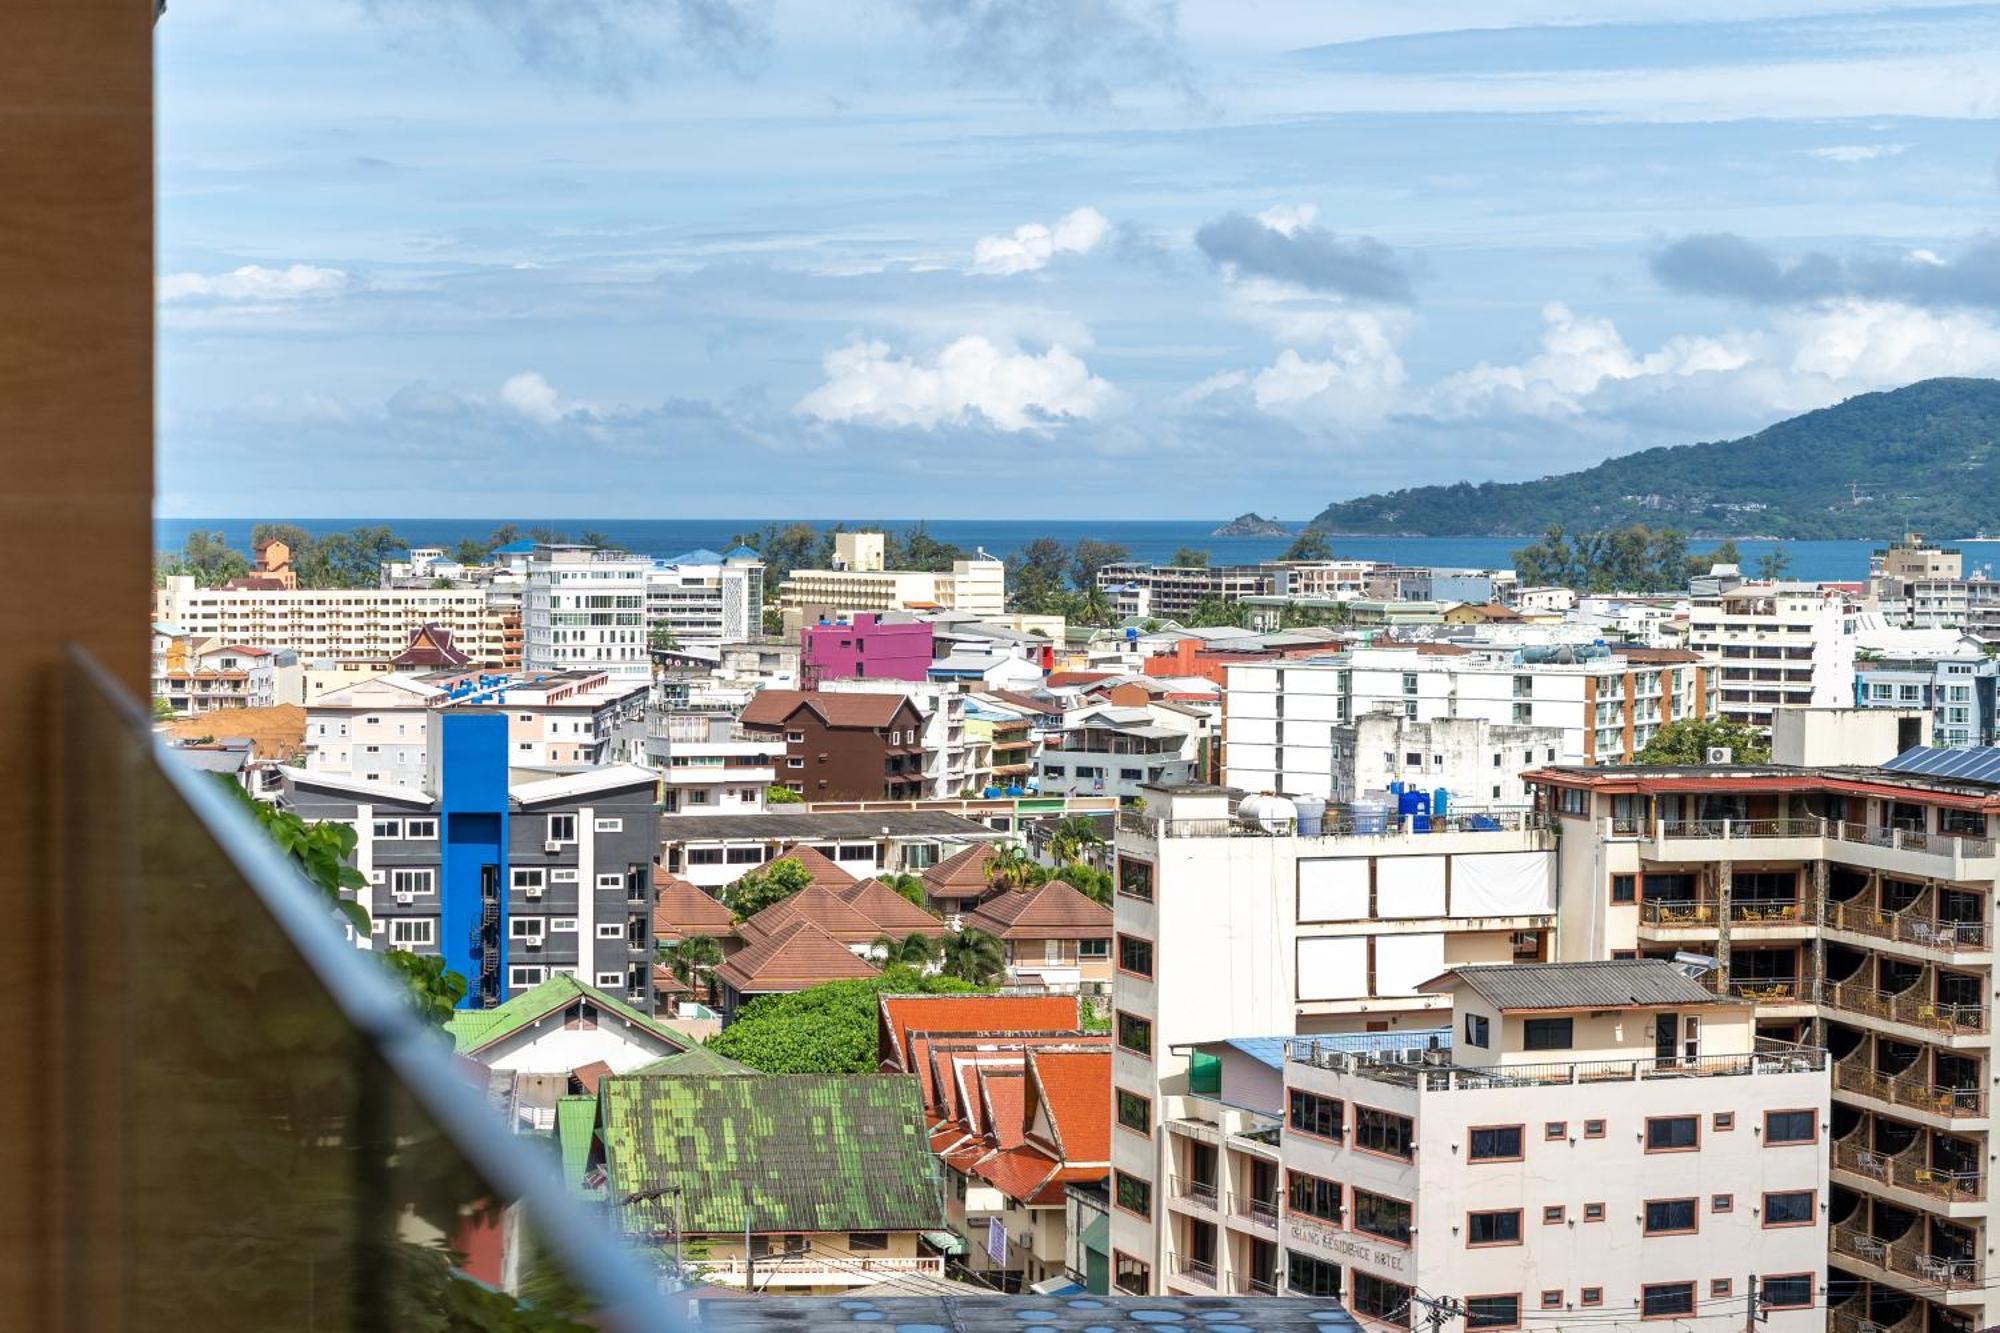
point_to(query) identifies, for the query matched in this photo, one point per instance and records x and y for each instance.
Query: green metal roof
(576, 1123)
(1097, 1234)
(694, 1060)
(472, 1029)
(792, 1152)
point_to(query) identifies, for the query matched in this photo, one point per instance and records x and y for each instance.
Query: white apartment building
(1119, 750)
(1280, 716)
(336, 623)
(1478, 762)
(704, 599)
(1778, 645)
(585, 609)
(707, 764)
(582, 717)
(948, 766)
(976, 586)
(1230, 922)
(376, 730)
(1586, 1143)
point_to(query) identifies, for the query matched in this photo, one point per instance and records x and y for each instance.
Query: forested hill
(1920, 458)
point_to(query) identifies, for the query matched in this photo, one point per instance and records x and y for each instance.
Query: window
(413, 931)
(1569, 800)
(1495, 1143)
(1554, 1214)
(1383, 1132)
(1135, 1112)
(1721, 1286)
(1593, 1129)
(616, 825)
(387, 828)
(529, 881)
(1722, 1121)
(1666, 1300)
(1499, 1227)
(794, 761)
(1593, 1212)
(562, 924)
(795, 738)
(1669, 1217)
(563, 875)
(1135, 955)
(612, 880)
(1673, 1133)
(1548, 1034)
(1787, 1291)
(1135, 879)
(1790, 1127)
(1130, 1276)
(1310, 1196)
(1321, 1117)
(1307, 1276)
(610, 980)
(1493, 1311)
(1624, 888)
(1477, 1030)
(1590, 1296)
(1555, 1129)
(1093, 949)
(861, 1241)
(1135, 1034)
(610, 930)
(562, 828)
(525, 978)
(405, 879)
(1380, 1215)
(420, 828)
(1552, 1300)
(524, 928)
(1134, 1195)
(704, 856)
(1722, 1203)
(1789, 1208)
(1379, 1299)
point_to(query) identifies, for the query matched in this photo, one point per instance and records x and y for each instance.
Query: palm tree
(1074, 837)
(913, 950)
(694, 959)
(974, 956)
(1014, 868)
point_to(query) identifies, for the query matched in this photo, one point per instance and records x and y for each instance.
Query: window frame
(1354, 1201)
(1764, 1209)
(1693, 1119)
(1521, 1142)
(1722, 1122)
(1590, 1296)
(430, 931)
(1587, 1213)
(1292, 1099)
(1292, 1287)
(411, 825)
(1630, 887)
(1471, 1323)
(1552, 1298)
(1119, 1178)
(1720, 1288)
(1566, 1023)
(1693, 1227)
(552, 825)
(1555, 1214)
(1120, 1261)
(1123, 939)
(1119, 1019)
(1294, 1177)
(1646, 1290)
(1596, 1133)
(1354, 1141)
(1118, 1096)
(1378, 1286)
(1478, 1023)
(1722, 1203)
(1812, 1114)
(1765, 1280)
(1554, 1130)
(1520, 1228)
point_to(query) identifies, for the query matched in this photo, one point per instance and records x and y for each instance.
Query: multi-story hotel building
(1230, 921)
(585, 608)
(1585, 1144)
(705, 598)
(1780, 645)
(338, 623)
(1851, 906)
(858, 581)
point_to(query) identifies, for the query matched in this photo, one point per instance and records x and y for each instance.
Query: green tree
(1187, 557)
(162, 710)
(1634, 558)
(1689, 741)
(291, 534)
(1035, 576)
(434, 989)
(594, 537)
(1771, 565)
(925, 552)
(1212, 611)
(783, 548)
(504, 535)
(773, 621)
(830, 1029)
(693, 962)
(911, 887)
(776, 795)
(660, 639)
(352, 559)
(1088, 880)
(207, 557)
(974, 956)
(1075, 837)
(470, 552)
(1309, 545)
(913, 950)
(1012, 867)
(1091, 555)
(772, 883)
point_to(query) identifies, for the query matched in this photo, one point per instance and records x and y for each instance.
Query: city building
(339, 624)
(711, 850)
(1054, 936)
(1852, 903)
(702, 598)
(708, 763)
(1172, 592)
(869, 646)
(843, 746)
(585, 609)
(582, 716)
(196, 677)
(1957, 689)
(1117, 750)
(976, 585)
(796, 958)
(510, 877)
(1918, 585)
(947, 759)
(562, 1025)
(1586, 1141)
(1479, 763)
(1780, 645)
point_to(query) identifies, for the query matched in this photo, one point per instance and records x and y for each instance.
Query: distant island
(1922, 458)
(1252, 524)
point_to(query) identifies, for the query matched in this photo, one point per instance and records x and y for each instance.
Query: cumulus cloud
(970, 379)
(1858, 152)
(254, 283)
(1289, 246)
(1724, 264)
(1031, 246)
(530, 394)
(1070, 53)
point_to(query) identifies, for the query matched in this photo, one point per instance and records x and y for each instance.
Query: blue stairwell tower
(472, 802)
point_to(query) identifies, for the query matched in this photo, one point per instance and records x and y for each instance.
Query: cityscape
(1423, 757)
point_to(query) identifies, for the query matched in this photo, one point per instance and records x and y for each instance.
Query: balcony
(1199, 1195)
(1919, 929)
(1908, 1258)
(1907, 1171)
(1259, 1214)
(1912, 1008)
(1335, 825)
(1770, 1057)
(1195, 1272)
(1947, 1103)
(779, 1271)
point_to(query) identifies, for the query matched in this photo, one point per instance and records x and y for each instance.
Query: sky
(1039, 258)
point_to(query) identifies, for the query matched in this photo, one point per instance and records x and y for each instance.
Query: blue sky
(1123, 258)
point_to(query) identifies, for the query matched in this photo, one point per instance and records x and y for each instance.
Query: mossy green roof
(694, 1060)
(473, 1029)
(791, 1152)
(576, 1124)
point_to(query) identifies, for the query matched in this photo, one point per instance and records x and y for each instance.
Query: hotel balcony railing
(1908, 927)
(1909, 1006)
(1904, 1172)
(1336, 824)
(1252, 1285)
(1851, 1075)
(277, 1139)
(1770, 1057)
(1200, 1271)
(1200, 1193)
(1908, 1257)
(1679, 913)
(1264, 1212)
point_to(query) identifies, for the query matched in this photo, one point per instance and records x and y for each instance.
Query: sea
(1153, 540)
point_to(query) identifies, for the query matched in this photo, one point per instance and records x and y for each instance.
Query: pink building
(865, 648)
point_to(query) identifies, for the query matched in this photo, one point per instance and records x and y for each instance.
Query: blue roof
(740, 553)
(515, 548)
(1974, 764)
(701, 555)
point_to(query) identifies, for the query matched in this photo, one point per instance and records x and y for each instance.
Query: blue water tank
(1312, 815)
(1371, 818)
(1415, 806)
(1440, 804)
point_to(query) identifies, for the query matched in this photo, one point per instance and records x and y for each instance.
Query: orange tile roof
(961, 875)
(682, 910)
(774, 708)
(1051, 1193)
(1003, 1093)
(800, 956)
(819, 865)
(819, 905)
(901, 1015)
(666, 983)
(892, 913)
(1055, 910)
(588, 1075)
(1017, 1173)
(1074, 1088)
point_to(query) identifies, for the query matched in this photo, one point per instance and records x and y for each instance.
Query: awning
(1057, 1286)
(951, 1243)
(1097, 1234)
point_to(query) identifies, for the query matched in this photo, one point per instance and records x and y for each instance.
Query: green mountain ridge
(1925, 457)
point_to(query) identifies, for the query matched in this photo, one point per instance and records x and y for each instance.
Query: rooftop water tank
(1273, 814)
(1312, 815)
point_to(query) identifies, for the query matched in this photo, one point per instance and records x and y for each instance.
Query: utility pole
(749, 1259)
(1437, 1309)
(1756, 1314)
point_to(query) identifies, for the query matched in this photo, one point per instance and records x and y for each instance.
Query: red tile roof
(587, 1076)
(892, 913)
(902, 1015)
(1074, 1088)
(1052, 911)
(1051, 1193)
(1059, 678)
(800, 956)
(962, 875)
(1017, 1173)
(816, 904)
(818, 864)
(682, 910)
(1003, 1093)
(774, 708)
(666, 983)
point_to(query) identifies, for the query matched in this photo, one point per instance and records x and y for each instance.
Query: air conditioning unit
(551, 846)
(405, 898)
(533, 890)
(1721, 754)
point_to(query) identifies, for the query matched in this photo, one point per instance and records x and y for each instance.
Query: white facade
(1120, 750)
(704, 599)
(708, 765)
(1784, 645)
(976, 586)
(1478, 762)
(338, 623)
(585, 609)
(377, 730)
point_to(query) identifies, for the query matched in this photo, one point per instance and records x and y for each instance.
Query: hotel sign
(1350, 1247)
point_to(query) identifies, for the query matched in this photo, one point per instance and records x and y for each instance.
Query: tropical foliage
(913, 950)
(1629, 559)
(1012, 867)
(1689, 741)
(974, 956)
(772, 883)
(1074, 838)
(910, 887)
(828, 1029)
(693, 962)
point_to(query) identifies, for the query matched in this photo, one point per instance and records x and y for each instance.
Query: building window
(1135, 1112)
(1790, 1127)
(1593, 1212)
(1722, 1121)
(530, 881)
(1133, 1194)
(1383, 1132)
(1321, 1117)
(1552, 1300)
(1673, 1133)
(1721, 1203)
(1493, 1311)
(1555, 1129)
(408, 880)
(1499, 1227)
(413, 931)
(420, 828)
(1554, 1214)
(1477, 1030)
(1379, 1215)
(1135, 1034)
(1098, 949)
(562, 924)
(1624, 888)
(610, 980)
(562, 828)
(1130, 1276)
(1789, 1208)
(1135, 878)
(1495, 1143)
(1548, 1034)
(1590, 1296)
(1721, 1286)
(610, 930)
(1307, 1276)
(523, 977)
(1379, 1299)
(1669, 1217)
(1593, 1129)
(1310, 1196)
(618, 826)
(1666, 1300)
(1786, 1291)
(1135, 956)
(387, 828)
(867, 1241)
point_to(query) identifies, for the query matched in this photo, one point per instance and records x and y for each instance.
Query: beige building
(858, 582)
(1776, 645)
(337, 623)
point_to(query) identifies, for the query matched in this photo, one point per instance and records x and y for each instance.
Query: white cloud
(1874, 344)
(253, 282)
(972, 377)
(530, 394)
(1361, 377)
(1031, 246)
(1858, 152)
(1289, 219)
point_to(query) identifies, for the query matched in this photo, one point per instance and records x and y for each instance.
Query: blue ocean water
(1147, 539)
